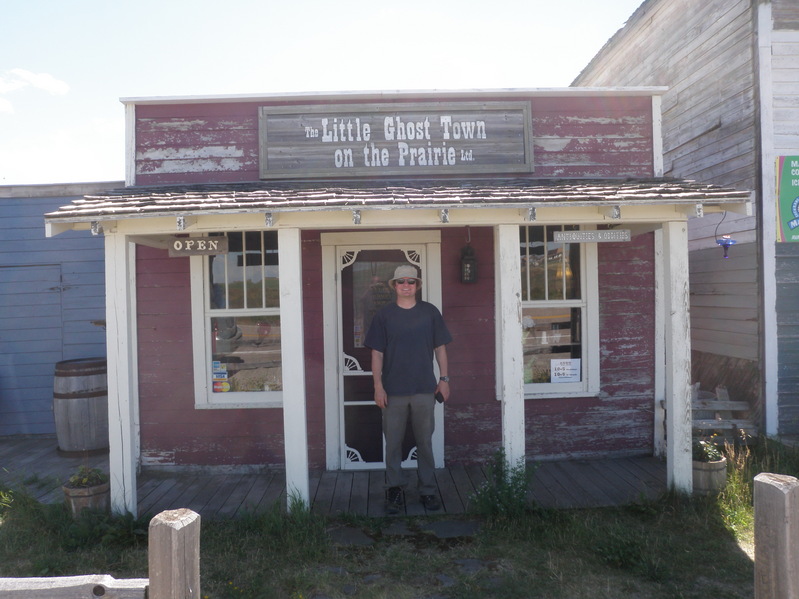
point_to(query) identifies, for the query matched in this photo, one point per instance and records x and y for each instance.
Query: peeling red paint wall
(472, 419)
(585, 137)
(620, 420)
(172, 430)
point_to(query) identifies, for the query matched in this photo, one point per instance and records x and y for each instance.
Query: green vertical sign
(788, 198)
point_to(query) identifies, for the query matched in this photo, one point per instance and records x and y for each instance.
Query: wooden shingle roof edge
(283, 196)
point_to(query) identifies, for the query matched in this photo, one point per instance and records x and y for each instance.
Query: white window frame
(589, 302)
(201, 314)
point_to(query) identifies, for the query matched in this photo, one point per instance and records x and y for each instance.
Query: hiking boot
(430, 502)
(394, 500)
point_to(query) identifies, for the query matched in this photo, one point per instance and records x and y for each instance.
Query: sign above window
(197, 246)
(368, 140)
(592, 236)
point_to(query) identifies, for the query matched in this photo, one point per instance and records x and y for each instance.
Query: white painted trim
(295, 430)
(768, 223)
(331, 342)
(378, 238)
(204, 397)
(589, 303)
(421, 217)
(510, 364)
(198, 341)
(678, 356)
(657, 136)
(660, 349)
(130, 145)
(591, 326)
(123, 398)
(378, 96)
(331, 310)
(434, 296)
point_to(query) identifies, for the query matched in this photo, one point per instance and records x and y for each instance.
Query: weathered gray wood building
(52, 302)
(730, 112)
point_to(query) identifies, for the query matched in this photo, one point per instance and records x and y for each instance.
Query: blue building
(52, 302)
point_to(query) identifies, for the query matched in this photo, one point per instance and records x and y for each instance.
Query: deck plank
(377, 493)
(359, 500)
(341, 493)
(275, 493)
(323, 500)
(591, 492)
(237, 496)
(162, 488)
(35, 464)
(451, 501)
(249, 505)
(463, 484)
(559, 486)
(227, 484)
(412, 505)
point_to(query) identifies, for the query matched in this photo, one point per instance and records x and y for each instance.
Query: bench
(716, 412)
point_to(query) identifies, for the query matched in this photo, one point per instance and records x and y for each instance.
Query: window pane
(533, 263)
(572, 270)
(246, 354)
(247, 276)
(552, 345)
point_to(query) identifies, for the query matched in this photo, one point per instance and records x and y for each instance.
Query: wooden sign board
(197, 246)
(592, 236)
(368, 140)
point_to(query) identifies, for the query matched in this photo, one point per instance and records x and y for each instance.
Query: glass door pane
(364, 290)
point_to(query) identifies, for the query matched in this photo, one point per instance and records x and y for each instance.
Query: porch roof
(288, 196)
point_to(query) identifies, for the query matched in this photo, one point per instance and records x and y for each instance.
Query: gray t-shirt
(407, 339)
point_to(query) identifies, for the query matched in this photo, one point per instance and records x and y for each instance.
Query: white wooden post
(660, 351)
(293, 355)
(174, 555)
(678, 356)
(776, 536)
(510, 366)
(769, 365)
(120, 318)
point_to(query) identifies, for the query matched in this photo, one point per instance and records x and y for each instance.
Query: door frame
(331, 311)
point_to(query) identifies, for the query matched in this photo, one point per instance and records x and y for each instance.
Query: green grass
(671, 548)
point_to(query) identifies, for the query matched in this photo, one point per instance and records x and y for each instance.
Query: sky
(65, 64)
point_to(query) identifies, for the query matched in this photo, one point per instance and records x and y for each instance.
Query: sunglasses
(404, 281)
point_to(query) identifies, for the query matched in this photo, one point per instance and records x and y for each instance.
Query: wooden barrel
(80, 404)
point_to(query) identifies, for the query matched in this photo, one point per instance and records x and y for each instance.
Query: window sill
(556, 395)
(239, 405)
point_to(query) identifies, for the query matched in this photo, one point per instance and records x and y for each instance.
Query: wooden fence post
(776, 536)
(174, 555)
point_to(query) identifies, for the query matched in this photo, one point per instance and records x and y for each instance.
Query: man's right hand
(381, 397)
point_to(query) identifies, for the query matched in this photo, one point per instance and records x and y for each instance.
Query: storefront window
(242, 355)
(554, 311)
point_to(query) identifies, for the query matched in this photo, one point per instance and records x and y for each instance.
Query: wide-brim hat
(406, 271)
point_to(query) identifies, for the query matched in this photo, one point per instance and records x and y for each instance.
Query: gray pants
(420, 408)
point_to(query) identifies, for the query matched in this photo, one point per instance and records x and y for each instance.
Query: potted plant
(87, 488)
(709, 467)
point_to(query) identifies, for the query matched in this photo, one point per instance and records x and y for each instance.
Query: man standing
(404, 336)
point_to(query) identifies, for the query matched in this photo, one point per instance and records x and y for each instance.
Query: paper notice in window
(565, 371)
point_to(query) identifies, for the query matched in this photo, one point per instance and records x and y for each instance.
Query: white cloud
(42, 81)
(18, 79)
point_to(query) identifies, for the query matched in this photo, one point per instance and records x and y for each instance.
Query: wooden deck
(36, 464)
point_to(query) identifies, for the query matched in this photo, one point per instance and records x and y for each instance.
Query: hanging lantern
(468, 265)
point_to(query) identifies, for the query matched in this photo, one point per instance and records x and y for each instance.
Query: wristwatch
(444, 379)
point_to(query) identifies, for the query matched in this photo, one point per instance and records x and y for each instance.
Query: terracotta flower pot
(709, 477)
(81, 498)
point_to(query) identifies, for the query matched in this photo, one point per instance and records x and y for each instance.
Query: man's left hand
(443, 388)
